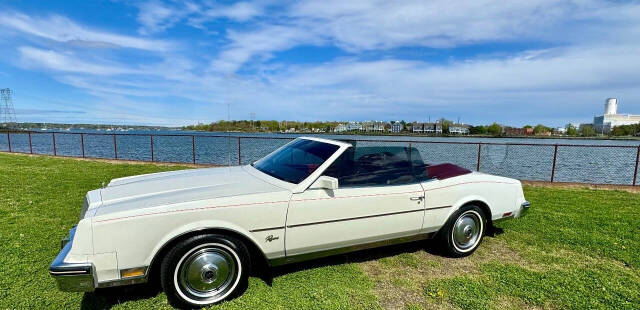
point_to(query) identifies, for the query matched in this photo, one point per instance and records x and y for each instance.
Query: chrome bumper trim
(121, 282)
(72, 277)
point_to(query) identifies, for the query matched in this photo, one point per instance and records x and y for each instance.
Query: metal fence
(594, 164)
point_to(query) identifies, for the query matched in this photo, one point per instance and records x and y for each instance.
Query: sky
(183, 62)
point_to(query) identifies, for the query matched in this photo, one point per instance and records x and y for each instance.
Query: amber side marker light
(132, 272)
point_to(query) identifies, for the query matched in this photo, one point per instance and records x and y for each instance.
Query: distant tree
(527, 126)
(587, 131)
(572, 130)
(494, 129)
(478, 130)
(625, 130)
(541, 129)
(445, 125)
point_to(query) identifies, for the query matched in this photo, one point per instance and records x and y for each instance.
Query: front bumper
(72, 277)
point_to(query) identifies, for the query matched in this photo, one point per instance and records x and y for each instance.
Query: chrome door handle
(417, 198)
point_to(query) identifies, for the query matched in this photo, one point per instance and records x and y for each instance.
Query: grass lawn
(576, 249)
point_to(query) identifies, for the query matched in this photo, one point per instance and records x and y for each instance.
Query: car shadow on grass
(106, 298)
(430, 246)
(109, 297)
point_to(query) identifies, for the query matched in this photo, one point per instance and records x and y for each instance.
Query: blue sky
(181, 62)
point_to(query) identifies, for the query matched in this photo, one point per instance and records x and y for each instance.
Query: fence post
(82, 143)
(635, 174)
(9, 141)
(30, 145)
(53, 136)
(115, 147)
(193, 146)
(479, 152)
(151, 139)
(239, 155)
(555, 158)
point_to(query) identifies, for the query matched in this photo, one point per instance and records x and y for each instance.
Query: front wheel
(204, 270)
(463, 232)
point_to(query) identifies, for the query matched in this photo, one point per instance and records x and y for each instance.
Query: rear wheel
(463, 232)
(204, 270)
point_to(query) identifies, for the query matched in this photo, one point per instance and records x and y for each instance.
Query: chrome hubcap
(467, 230)
(207, 272)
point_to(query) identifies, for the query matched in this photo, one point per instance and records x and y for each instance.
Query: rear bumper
(520, 212)
(524, 208)
(72, 277)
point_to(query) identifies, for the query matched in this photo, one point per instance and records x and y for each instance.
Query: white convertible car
(200, 231)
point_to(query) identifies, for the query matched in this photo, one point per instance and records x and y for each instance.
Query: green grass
(576, 249)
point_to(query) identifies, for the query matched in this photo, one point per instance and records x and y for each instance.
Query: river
(577, 160)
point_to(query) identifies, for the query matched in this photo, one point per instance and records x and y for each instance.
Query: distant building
(396, 126)
(459, 129)
(604, 123)
(373, 126)
(354, 126)
(417, 127)
(511, 131)
(340, 128)
(560, 131)
(438, 128)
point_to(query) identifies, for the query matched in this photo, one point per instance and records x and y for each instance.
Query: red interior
(445, 171)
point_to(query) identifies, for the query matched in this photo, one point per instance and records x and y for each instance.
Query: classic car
(200, 231)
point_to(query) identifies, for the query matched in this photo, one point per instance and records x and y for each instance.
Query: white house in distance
(396, 126)
(373, 126)
(354, 126)
(459, 129)
(427, 127)
(604, 123)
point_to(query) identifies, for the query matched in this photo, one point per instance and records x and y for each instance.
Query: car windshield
(297, 160)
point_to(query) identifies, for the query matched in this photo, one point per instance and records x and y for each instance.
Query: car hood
(165, 188)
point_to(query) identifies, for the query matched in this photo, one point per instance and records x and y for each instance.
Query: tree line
(493, 129)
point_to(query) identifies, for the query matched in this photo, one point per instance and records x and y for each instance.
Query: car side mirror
(325, 182)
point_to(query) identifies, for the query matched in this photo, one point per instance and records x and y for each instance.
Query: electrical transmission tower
(7, 113)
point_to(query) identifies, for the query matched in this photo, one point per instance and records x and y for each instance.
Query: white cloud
(240, 11)
(362, 25)
(49, 59)
(155, 16)
(246, 45)
(61, 29)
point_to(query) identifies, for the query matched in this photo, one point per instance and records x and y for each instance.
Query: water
(601, 164)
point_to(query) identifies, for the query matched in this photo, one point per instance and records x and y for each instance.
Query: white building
(459, 129)
(396, 126)
(354, 126)
(604, 123)
(373, 126)
(340, 128)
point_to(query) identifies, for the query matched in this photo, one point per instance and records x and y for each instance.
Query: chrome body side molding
(313, 255)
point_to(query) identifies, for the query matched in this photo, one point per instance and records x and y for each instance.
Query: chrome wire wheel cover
(207, 273)
(467, 231)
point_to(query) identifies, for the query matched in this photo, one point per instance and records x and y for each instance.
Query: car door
(378, 198)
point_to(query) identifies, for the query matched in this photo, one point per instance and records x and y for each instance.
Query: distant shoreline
(408, 134)
(358, 133)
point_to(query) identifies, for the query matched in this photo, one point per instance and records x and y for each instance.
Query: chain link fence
(595, 164)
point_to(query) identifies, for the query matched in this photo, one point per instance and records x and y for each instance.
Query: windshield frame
(306, 182)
